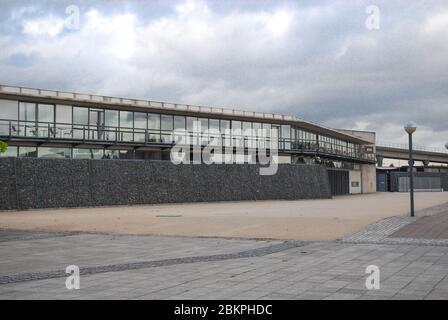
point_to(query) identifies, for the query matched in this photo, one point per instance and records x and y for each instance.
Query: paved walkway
(411, 253)
(155, 267)
(428, 227)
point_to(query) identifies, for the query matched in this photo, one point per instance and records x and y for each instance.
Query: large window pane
(126, 125)
(179, 122)
(27, 117)
(167, 122)
(204, 124)
(45, 112)
(286, 131)
(225, 124)
(214, 124)
(88, 153)
(27, 152)
(54, 152)
(63, 114)
(10, 152)
(190, 123)
(80, 115)
(140, 120)
(111, 154)
(27, 111)
(111, 118)
(8, 109)
(247, 125)
(126, 119)
(153, 121)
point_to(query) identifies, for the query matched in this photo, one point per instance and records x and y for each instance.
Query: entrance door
(96, 124)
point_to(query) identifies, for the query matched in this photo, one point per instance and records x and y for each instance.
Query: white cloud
(51, 26)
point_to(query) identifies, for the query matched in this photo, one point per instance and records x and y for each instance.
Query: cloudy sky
(313, 59)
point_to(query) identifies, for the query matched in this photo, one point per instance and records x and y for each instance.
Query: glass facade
(87, 123)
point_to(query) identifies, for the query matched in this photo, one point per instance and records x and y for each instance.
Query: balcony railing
(11, 129)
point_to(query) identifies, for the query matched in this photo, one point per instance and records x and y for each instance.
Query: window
(236, 125)
(54, 152)
(286, 131)
(179, 122)
(10, 152)
(45, 112)
(111, 118)
(111, 154)
(27, 111)
(225, 124)
(153, 121)
(214, 124)
(204, 124)
(8, 110)
(167, 125)
(140, 123)
(64, 114)
(126, 119)
(140, 120)
(27, 117)
(246, 126)
(167, 122)
(80, 116)
(88, 153)
(154, 127)
(27, 152)
(191, 124)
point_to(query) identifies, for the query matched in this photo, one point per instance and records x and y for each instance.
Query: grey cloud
(323, 65)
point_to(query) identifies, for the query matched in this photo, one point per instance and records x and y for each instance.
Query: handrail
(405, 146)
(102, 133)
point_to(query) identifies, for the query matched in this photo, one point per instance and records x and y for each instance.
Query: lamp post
(410, 128)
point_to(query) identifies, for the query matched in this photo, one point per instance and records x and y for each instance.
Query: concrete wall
(355, 176)
(395, 176)
(48, 183)
(368, 177)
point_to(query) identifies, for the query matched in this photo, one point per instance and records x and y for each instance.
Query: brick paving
(309, 270)
(169, 267)
(430, 227)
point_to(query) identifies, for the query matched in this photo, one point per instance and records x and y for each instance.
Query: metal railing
(100, 133)
(405, 146)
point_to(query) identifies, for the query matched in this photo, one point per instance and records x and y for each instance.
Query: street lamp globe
(410, 127)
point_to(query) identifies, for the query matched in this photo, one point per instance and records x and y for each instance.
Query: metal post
(411, 174)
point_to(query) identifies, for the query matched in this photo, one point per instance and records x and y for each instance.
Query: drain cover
(168, 215)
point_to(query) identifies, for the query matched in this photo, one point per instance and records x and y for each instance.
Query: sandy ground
(327, 219)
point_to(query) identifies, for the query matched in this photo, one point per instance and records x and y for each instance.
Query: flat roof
(176, 107)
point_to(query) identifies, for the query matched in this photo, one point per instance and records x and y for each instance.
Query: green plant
(3, 147)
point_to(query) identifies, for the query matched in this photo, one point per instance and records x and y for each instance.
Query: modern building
(55, 124)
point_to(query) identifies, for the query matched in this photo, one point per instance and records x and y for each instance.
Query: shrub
(3, 147)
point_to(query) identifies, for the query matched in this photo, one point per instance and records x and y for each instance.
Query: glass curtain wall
(67, 122)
